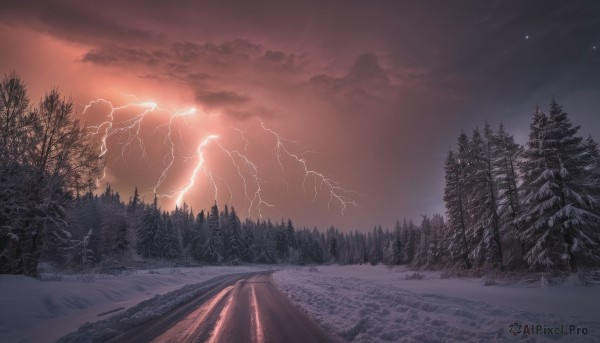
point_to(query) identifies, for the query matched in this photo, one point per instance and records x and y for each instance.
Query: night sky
(371, 94)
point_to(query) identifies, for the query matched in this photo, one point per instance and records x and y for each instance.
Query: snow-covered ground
(43, 311)
(379, 304)
(359, 303)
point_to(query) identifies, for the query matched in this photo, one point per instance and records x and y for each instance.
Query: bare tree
(45, 155)
(62, 148)
(16, 119)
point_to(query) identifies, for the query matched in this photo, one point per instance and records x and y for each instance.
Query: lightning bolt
(131, 127)
(199, 166)
(336, 191)
(243, 168)
(169, 140)
(107, 128)
(252, 169)
(130, 124)
(128, 131)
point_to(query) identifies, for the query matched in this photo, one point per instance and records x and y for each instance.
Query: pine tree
(315, 248)
(265, 250)
(248, 241)
(291, 234)
(225, 227)
(122, 240)
(560, 219)
(214, 244)
(236, 237)
(435, 252)
(397, 250)
(485, 229)
(422, 247)
(171, 241)
(332, 245)
(454, 197)
(198, 237)
(148, 243)
(509, 200)
(592, 165)
(133, 202)
(281, 242)
(410, 237)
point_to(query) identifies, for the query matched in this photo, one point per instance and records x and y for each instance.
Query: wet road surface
(246, 308)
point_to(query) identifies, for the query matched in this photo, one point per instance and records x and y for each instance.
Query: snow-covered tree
(214, 248)
(281, 242)
(198, 237)
(44, 154)
(290, 232)
(592, 165)
(32, 218)
(80, 249)
(455, 199)
(423, 244)
(505, 169)
(248, 241)
(134, 202)
(484, 230)
(397, 247)
(332, 244)
(435, 251)
(265, 250)
(560, 219)
(148, 242)
(235, 237)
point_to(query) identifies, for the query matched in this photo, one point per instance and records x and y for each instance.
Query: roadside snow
(42, 311)
(378, 304)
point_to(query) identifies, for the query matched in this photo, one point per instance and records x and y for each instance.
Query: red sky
(371, 95)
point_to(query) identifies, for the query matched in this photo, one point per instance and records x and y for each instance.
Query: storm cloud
(373, 92)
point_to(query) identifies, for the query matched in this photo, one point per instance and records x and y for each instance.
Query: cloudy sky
(367, 96)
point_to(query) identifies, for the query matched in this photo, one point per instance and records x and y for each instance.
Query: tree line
(508, 207)
(531, 207)
(105, 232)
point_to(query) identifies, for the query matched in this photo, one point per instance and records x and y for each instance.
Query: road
(245, 308)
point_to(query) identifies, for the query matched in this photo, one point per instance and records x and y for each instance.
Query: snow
(43, 311)
(361, 303)
(379, 304)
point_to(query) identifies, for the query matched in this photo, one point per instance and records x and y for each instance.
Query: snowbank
(380, 304)
(43, 311)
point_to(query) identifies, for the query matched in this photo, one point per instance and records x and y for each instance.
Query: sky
(329, 113)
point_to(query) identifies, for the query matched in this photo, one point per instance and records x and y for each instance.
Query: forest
(532, 207)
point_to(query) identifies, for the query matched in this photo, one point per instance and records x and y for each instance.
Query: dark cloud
(115, 54)
(183, 57)
(189, 64)
(223, 54)
(98, 57)
(364, 80)
(366, 68)
(256, 112)
(221, 99)
(194, 77)
(417, 72)
(279, 61)
(85, 23)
